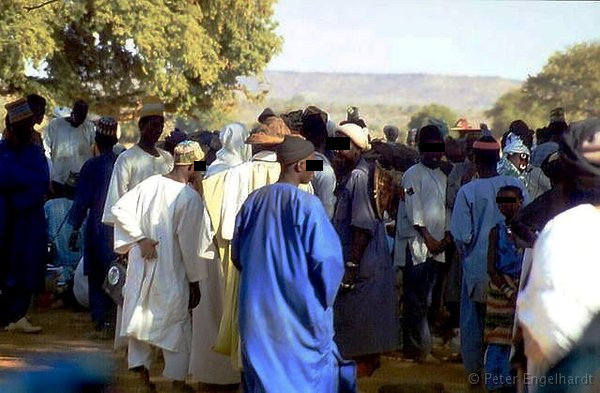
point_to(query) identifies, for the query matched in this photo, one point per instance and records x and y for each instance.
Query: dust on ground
(65, 332)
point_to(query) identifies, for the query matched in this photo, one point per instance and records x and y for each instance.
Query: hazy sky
(498, 38)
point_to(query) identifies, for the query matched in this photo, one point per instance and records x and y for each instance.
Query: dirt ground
(65, 334)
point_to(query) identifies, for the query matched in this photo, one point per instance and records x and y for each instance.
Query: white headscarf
(234, 150)
(514, 144)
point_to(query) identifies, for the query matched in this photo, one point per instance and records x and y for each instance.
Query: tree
(439, 113)
(570, 79)
(512, 106)
(113, 52)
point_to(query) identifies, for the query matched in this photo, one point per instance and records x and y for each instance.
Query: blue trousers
(472, 325)
(419, 281)
(498, 372)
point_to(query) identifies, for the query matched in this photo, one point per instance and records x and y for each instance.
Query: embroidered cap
(18, 110)
(188, 152)
(107, 126)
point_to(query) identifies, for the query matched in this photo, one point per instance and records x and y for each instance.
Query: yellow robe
(224, 194)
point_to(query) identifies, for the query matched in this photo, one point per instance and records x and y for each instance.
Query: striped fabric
(500, 314)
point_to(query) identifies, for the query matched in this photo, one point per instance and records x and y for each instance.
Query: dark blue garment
(419, 281)
(92, 189)
(365, 318)
(510, 258)
(3, 239)
(291, 265)
(24, 181)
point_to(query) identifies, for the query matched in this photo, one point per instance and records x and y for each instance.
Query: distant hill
(458, 92)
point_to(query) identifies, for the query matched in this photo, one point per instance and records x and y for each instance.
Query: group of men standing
(258, 269)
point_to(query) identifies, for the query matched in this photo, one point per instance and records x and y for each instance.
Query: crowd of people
(262, 257)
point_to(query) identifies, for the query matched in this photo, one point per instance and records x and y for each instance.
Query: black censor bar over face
(314, 165)
(432, 147)
(199, 166)
(506, 200)
(337, 143)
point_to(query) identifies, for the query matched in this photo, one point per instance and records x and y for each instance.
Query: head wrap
(294, 149)
(520, 129)
(107, 126)
(18, 110)
(580, 171)
(514, 145)
(187, 152)
(360, 136)
(271, 132)
(234, 150)
(152, 106)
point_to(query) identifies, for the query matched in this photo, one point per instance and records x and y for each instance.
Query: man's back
(130, 169)
(291, 267)
(171, 213)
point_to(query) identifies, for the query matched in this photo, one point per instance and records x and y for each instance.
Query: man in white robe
(68, 144)
(142, 160)
(158, 223)
(136, 165)
(234, 150)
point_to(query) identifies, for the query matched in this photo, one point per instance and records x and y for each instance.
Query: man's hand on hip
(148, 248)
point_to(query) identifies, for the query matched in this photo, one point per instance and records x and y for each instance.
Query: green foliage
(570, 79)
(512, 106)
(434, 112)
(113, 52)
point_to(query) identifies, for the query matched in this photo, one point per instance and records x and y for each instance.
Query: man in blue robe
(475, 213)
(291, 266)
(92, 189)
(24, 180)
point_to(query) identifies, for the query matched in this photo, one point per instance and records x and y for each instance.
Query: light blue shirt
(59, 230)
(475, 214)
